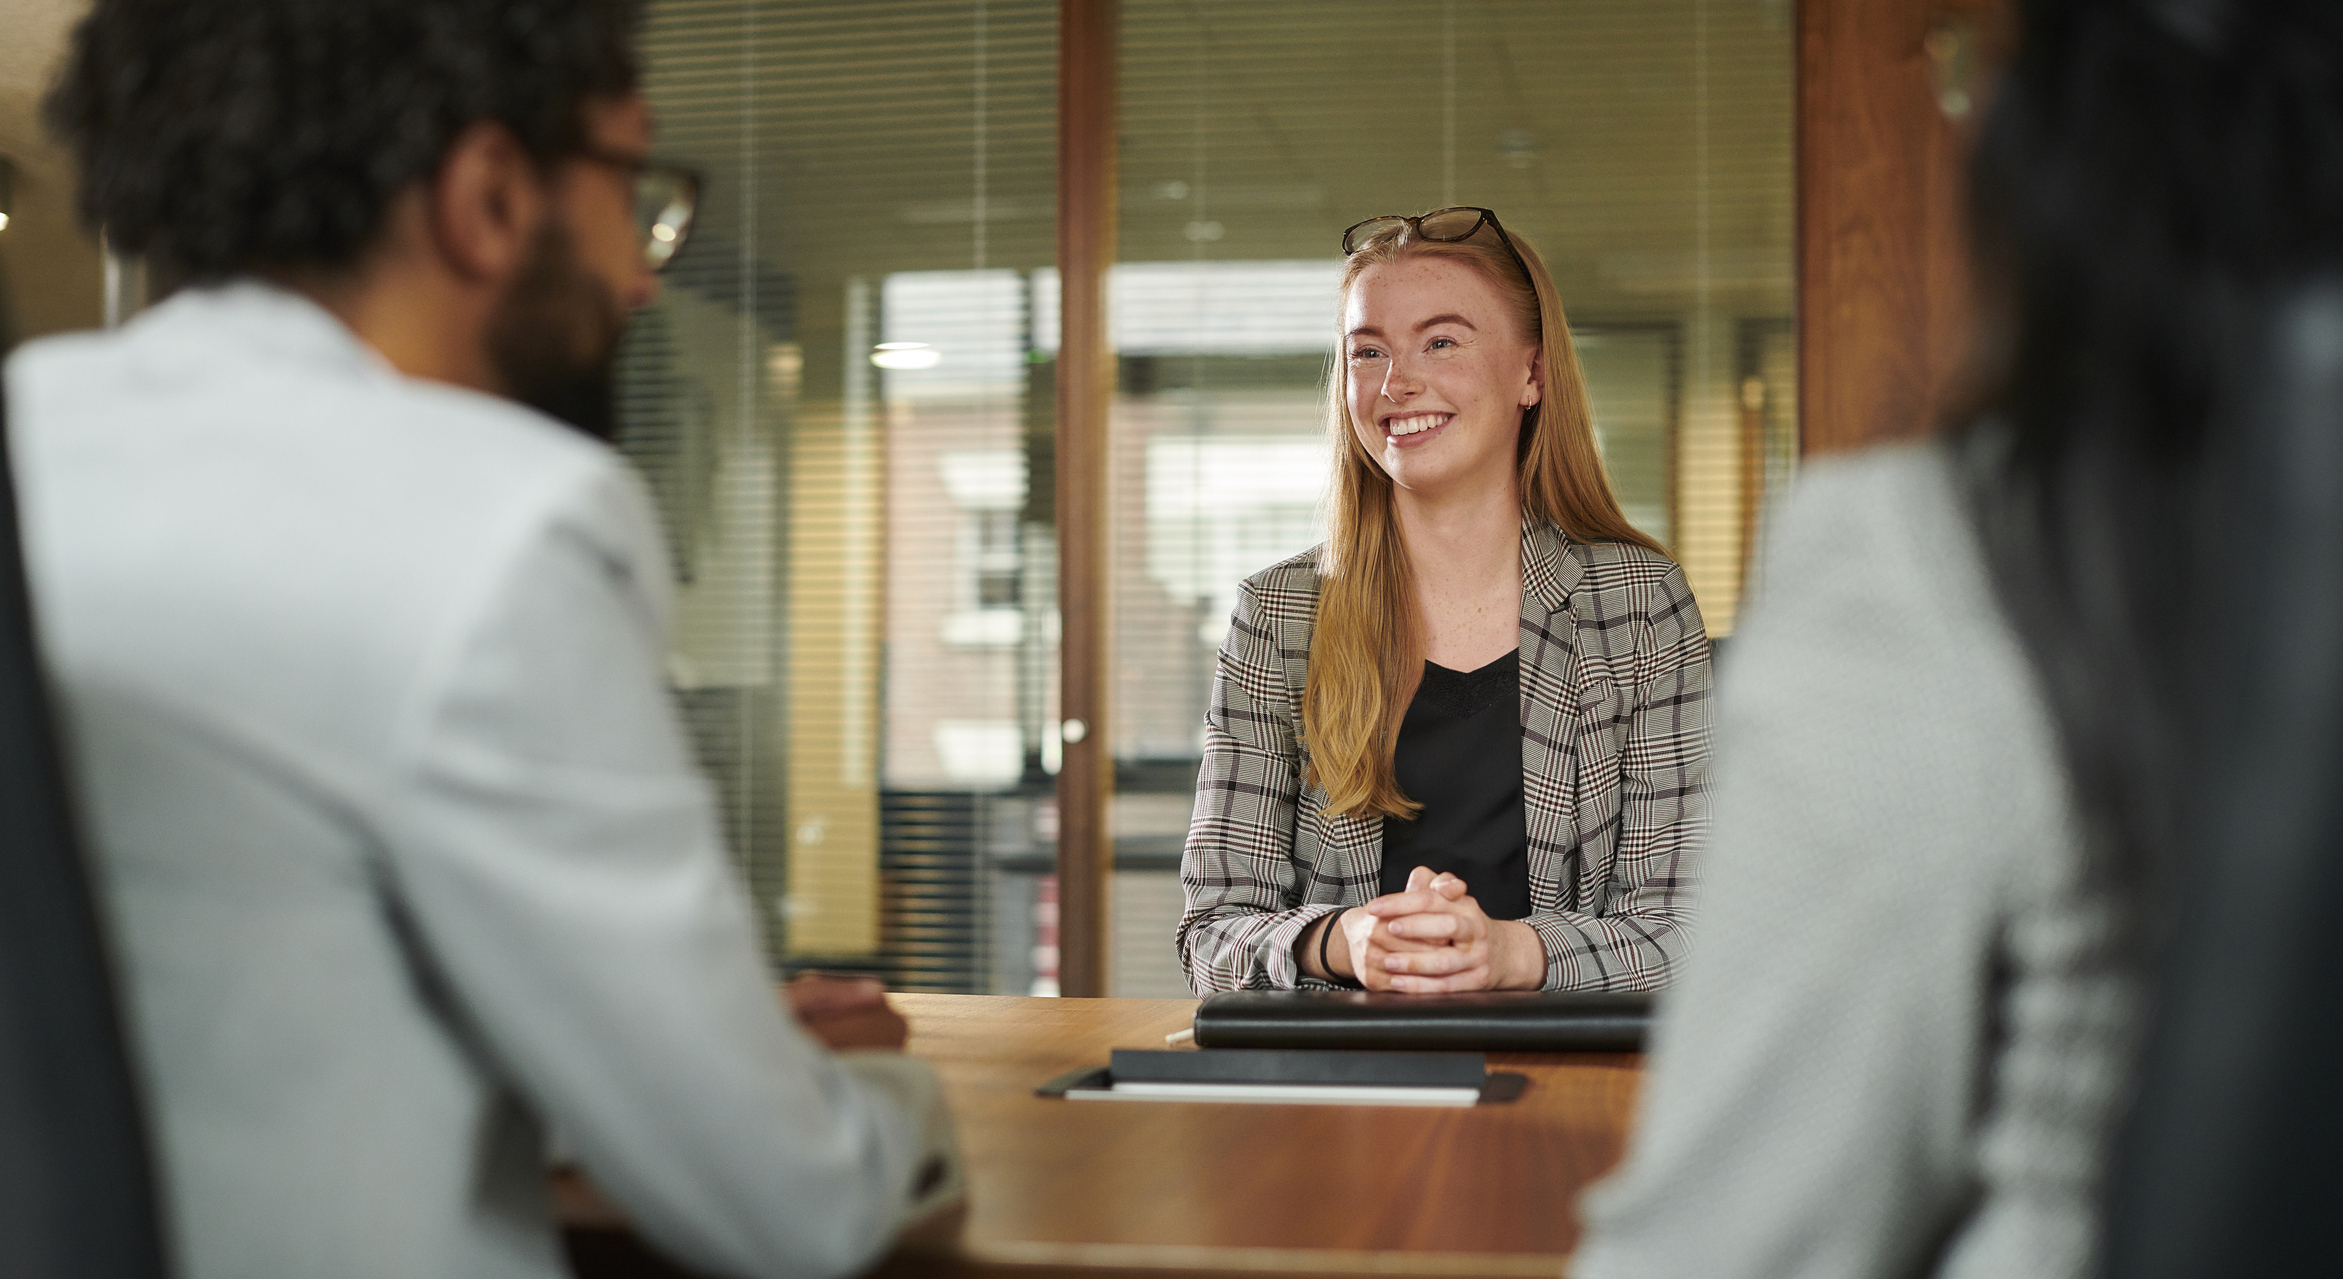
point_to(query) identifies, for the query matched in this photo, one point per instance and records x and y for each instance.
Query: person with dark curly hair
(358, 633)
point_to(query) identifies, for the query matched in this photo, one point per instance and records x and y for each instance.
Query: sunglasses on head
(1445, 226)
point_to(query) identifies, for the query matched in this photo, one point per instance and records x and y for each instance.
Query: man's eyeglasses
(1446, 226)
(666, 196)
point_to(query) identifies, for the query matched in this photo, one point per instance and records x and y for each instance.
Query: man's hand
(846, 1012)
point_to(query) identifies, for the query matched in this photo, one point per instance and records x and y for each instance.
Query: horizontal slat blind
(850, 535)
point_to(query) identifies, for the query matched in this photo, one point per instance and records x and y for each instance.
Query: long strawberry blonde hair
(1366, 651)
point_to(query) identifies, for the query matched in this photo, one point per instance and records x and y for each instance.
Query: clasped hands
(1430, 938)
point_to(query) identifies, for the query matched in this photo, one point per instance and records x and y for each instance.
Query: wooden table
(1163, 1189)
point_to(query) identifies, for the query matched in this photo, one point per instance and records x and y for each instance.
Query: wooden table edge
(1195, 1261)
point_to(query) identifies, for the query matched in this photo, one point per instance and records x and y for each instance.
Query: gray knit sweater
(1901, 1042)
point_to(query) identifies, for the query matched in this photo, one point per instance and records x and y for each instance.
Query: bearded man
(358, 632)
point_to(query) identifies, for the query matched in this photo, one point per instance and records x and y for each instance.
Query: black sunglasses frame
(1488, 218)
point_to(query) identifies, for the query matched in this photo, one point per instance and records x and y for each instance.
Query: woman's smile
(1431, 351)
(1415, 429)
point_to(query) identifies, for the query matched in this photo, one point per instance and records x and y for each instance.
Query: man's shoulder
(271, 359)
(59, 354)
(493, 432)
(304, 402)
(500, 476)
(160, 443)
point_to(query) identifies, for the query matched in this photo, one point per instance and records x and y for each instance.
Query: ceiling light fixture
(905, 355)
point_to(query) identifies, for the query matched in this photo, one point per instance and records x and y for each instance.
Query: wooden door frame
(1087, 120)
(1883, 287)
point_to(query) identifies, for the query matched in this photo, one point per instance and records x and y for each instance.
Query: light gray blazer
(403, 849)
(1905, 1034)
(1614, 772)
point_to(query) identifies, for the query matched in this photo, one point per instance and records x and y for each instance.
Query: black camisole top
(1460, 757)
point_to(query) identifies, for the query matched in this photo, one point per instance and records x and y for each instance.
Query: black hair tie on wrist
(1326, 935)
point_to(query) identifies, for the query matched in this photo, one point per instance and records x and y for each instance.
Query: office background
(846, 400)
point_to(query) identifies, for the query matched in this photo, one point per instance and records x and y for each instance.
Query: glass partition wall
(834, 403)
(844, 400)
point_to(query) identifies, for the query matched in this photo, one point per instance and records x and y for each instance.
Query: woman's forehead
(1409, 291)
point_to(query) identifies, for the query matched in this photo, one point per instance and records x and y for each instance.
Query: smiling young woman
(1463, 744)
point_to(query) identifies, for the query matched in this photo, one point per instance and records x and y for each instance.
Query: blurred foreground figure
(2232, 1161)
(360, 653)
(74, 1153)
(2032, 707)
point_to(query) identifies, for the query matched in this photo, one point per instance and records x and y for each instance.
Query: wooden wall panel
(1086, 248)
(1882, 263)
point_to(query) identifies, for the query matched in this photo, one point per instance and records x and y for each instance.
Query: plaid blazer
(1614, 768)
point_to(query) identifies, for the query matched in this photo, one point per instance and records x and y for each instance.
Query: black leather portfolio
(1494, 1021)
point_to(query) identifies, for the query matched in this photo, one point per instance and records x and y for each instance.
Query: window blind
(831, 403)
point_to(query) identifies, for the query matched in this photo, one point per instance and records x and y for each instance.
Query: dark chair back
(77, 1197)
(2232, 1163)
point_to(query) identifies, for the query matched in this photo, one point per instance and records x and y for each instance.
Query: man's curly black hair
(237, 135)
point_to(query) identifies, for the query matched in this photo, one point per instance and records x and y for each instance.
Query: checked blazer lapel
(1549, 715)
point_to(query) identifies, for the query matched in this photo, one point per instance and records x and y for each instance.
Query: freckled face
(1437, 373)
